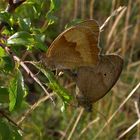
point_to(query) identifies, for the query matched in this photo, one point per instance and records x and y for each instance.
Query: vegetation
(28, 90)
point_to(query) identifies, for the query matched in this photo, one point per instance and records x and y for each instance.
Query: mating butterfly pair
(77, 47)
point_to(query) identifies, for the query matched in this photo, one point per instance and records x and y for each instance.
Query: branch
(29, 72)
(10, 120)
(32, 75)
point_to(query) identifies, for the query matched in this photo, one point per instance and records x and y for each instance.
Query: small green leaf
(20, 38)
(40, 46)
(55, 5)
(6, 64)
(2, 52)
(51, 18)
(39, 42)
(5, 17)
(24, 24)
(63, 107)
(16, 91)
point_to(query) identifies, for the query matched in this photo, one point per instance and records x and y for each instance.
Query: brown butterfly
(75, 47)
(94, 82)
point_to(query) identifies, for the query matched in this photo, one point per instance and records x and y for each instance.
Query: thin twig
(118, 109)
(137, 109)
(32, 75)
(29, 72)
(10, 120)
(33, 107)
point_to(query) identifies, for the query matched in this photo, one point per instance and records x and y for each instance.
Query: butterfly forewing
(75, 47)
(92, 25)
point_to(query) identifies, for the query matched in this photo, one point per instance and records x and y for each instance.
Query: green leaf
(51, 18)
(16, 135)
(39, 42)
(16, 91)
(2, 52)
(54, 84)
(30, 9)
(24, 24)
(4, 94)
(8, 132)
(40, 46)
(54, 6)
(5, 133)
(20, 38)
(6, 64)
(63, 107)
(5, 17)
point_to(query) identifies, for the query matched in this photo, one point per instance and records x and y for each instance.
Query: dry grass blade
(75, 9)
(129, 129)
(75, 124)
(124, 41)
(115, 24)
(137, 109)
(117, 110)
(111, 46)
(134, 64)
(134, 124)
(87, 127)
(114, 13)
(91, 9)
(33, 107)
(69, 125)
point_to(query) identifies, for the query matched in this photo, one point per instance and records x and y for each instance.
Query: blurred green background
(28, 31)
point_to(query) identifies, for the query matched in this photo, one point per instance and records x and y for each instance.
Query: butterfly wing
(92, 25)
(94, 83)
(75, 47)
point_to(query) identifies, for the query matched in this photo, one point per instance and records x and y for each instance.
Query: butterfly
(75, 47)
(95, 82)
